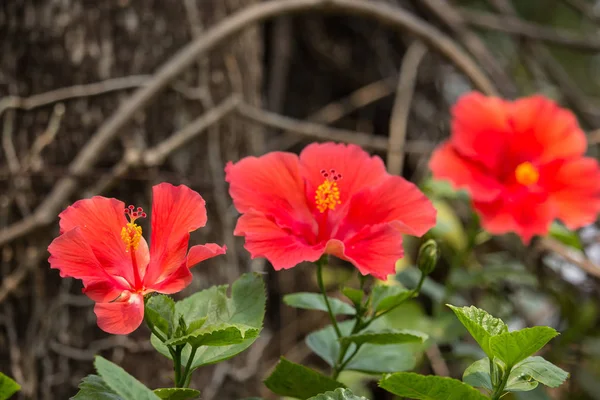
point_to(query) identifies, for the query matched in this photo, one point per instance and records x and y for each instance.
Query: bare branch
(338, 109)
(321, 132)
(575, 257)
(401, 110)
(381, 12)
(71, 92)
(311, 129)
(157, 154)
(453, 18)
(516, 26)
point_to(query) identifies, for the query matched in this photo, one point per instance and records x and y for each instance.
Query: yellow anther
(327, 196)
(527, 174)
(131, 235)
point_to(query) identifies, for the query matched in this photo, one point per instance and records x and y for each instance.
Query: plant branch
(514, 25)
(401, 110)
(383, 13)
(571, 255)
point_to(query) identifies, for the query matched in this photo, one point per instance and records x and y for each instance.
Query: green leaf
(370, 358)
(421, 387)
(338, 394)
(565, 235)
(385, 297)
(520, 384)
(481, 325)
(324, 342)
(93, 387)
(216, 335)
(160, 311)
(8, 387)
(379, 359)
(533, 370)
(478, 374)
(177, 393)
(315, 301)
(245, 310)
(512, 347)
(121, 382)
(196, 325)
(355, 295)
(386, 336)
(298, 381)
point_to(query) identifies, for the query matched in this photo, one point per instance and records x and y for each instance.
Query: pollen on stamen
(131, 234)
(327, 195)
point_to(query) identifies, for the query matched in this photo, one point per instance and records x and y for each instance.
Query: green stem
(500, 388)
(340, 368)
(187, 374)
(320, 263)
(493, 373)
(414, 293)
(177, 366)
(340, 363)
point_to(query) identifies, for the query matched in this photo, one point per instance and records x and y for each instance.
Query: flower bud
(429, 254)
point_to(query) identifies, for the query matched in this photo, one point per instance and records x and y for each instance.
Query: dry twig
(321, 132)
(516, 26)
(569, 254)
(401, 110)
(87, 157)
(453, 18)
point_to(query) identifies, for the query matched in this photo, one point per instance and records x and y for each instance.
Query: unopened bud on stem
(429, 254)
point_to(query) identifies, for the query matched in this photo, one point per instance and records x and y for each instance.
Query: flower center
(327, 195)
(527, 174)
(132, 232)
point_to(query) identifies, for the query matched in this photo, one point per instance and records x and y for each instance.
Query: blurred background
(112, 97)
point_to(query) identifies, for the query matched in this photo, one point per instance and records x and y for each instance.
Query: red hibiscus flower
(333, 199)
(107, 251)
(522, 162)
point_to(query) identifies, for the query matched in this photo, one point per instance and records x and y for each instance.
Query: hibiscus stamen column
(327, 197)
(131, 235)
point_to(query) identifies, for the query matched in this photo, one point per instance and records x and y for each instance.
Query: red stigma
(133, 215)
(332, 175)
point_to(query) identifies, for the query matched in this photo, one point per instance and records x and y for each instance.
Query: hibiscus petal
(264, 238)
(182, 277)
(446, 163)
(374, 250)
(102, 291)
(71, 254)
(175, 282)
(394, 201)
(574, 188)
(359, 170)
(526, 215)
(480, 128)
(545, 131)
(100, 221)
(176, 211)
(199, 253)
(270, 184)
(122, 316)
